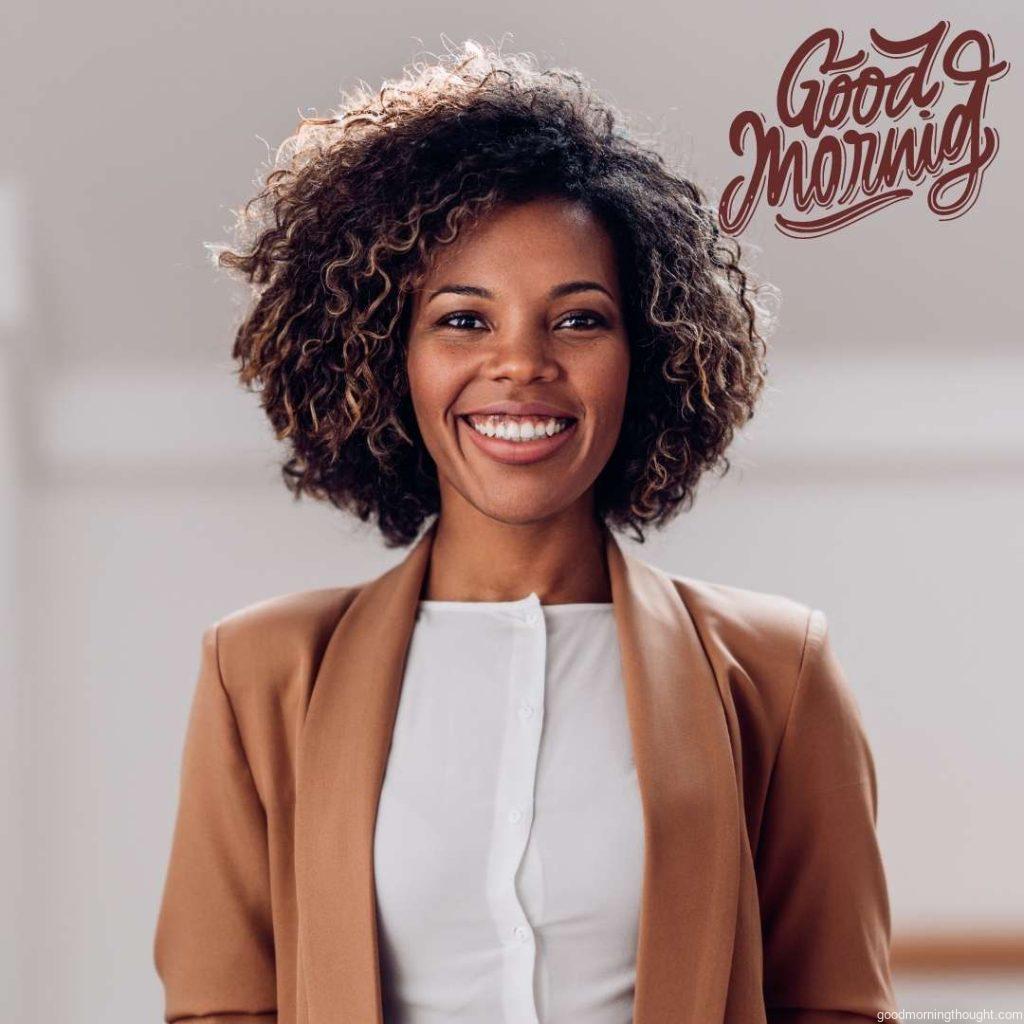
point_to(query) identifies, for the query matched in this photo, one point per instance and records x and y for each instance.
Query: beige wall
(883, 480)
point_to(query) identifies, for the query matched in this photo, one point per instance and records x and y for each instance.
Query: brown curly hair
(354, 207)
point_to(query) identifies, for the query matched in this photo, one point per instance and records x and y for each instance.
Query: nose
(522, 355)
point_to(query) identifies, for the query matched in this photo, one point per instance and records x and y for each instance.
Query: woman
(524, 775)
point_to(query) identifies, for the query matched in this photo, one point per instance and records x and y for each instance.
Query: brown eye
(595, 320)
(447, 321)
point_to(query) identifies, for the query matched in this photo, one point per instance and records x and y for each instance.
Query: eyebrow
(567, 288)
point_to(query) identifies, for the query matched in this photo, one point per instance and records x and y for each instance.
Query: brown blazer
(764, 897)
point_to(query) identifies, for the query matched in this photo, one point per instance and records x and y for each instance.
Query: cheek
(425, 382)
(605, 381)
(434, 386)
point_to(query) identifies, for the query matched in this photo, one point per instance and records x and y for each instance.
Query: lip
(518, 453)
(520, 409)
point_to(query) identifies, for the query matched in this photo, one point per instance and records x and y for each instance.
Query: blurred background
(882, 480)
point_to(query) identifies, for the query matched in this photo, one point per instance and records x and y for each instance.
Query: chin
(519, 513)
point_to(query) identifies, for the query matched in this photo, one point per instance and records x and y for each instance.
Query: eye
(447, 321)
(596, 320)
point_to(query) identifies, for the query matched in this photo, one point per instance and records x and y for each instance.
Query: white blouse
(509, 840)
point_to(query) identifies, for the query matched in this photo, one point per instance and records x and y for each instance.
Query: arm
(824, 902)
(214, 941)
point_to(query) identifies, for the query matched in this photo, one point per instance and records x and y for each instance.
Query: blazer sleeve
(214, 944)
(821, 883)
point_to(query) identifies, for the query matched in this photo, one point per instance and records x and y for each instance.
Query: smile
(515, 440)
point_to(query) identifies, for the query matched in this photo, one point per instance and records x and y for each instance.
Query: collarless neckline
(531, 601)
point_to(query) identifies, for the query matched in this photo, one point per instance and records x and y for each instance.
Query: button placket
(514, 809)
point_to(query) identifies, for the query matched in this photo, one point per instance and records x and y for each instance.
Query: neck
(477, 558)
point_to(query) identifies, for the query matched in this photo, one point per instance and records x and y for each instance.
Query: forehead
(541, 241)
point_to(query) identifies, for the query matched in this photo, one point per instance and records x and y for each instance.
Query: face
(518, 361)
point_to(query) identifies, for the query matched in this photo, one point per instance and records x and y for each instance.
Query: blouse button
(514, 815)
(522, 932)
(526, 710)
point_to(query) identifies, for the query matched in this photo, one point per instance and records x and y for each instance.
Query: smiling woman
(523, 776)
(368, 214)
(546, 322)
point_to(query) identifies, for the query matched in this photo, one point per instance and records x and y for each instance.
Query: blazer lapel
(341, 760)
(685, 770)
(690, 798)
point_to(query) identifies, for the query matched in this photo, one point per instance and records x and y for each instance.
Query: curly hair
(355, 206)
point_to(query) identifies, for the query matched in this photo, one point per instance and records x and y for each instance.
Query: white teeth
(515, 429)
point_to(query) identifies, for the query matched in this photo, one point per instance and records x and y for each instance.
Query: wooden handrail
(965, 951)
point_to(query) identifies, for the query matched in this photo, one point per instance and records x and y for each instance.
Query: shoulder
(269, 642)
(757, 640)
(773, 656)
(775, 624)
